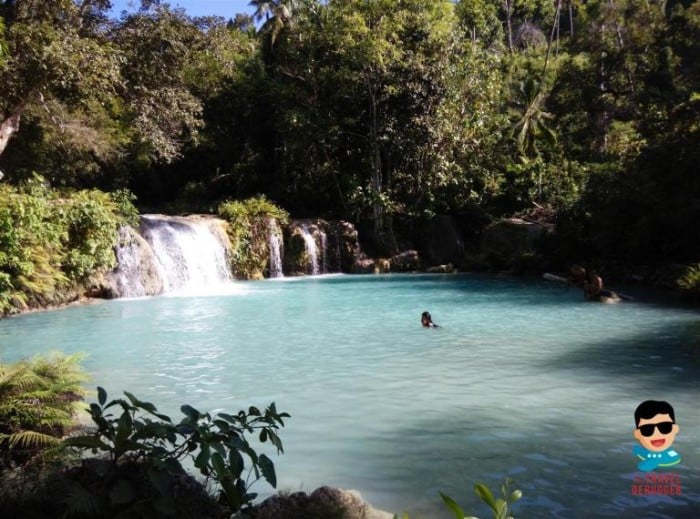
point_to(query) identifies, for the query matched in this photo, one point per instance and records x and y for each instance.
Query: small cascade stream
(275, 244)
(311, 250)
(324, 246)
(188, 254)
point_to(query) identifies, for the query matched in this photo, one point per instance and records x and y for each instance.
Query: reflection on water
(523, 379)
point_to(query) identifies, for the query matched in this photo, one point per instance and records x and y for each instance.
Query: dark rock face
(507, 240)
(321, 247)
(343, 246)
(441, 242)
(406, 261)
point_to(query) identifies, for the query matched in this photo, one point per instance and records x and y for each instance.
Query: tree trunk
(8, 128)
(508, 7)
(555, 30)
(382, 222)
(571, 18)
(375, 162)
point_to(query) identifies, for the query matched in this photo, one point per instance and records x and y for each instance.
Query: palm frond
(17, 377)
(28, 440)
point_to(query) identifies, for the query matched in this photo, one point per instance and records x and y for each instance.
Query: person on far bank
(427, 321)
(577, 276)
(593, 286)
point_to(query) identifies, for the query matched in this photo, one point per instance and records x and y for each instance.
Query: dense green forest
(582, 112)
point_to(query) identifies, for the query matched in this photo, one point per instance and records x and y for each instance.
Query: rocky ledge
(322, 503)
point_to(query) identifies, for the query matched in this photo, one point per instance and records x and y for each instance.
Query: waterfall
(189, 256)
(275, 244)
(322, 236)
(137, 273)
(311, 249)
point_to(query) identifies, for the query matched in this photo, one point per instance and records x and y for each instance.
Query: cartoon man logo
(656, 430)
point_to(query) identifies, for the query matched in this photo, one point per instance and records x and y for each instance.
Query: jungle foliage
(373, 111)
(249, 227)
(138, 433)
(52, 242)
(137, 453)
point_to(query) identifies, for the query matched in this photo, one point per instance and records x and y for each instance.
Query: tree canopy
(375, 111)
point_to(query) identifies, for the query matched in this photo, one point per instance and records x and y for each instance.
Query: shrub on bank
(689, 282)
(136, 468)
(248, 230)
(51, 242)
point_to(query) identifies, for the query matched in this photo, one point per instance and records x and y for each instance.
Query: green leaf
(485, 494)
(452, 505)
(190, 412)
(124, 430)
(134, 401)
(163, 417)
(515, 496)
(85, 442)
(202, 459)
(229, 418)
(217, 462)
(232, 494)
(268, 470)
(236, 464)
(101, 395)
(222, 425)
(501, 508)
(147, 406)
(95, 411)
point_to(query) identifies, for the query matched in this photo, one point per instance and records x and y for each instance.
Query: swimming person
(427, 321)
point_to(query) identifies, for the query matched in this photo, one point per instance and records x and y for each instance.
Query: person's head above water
(426, 320)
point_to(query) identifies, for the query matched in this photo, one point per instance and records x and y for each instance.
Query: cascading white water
(137, 273)
(188, 254)
(322, 236)
(275, 245)
(311, 249)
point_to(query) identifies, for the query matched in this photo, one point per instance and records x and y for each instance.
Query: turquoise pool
(523, 378)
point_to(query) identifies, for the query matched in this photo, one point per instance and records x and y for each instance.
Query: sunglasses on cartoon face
(648, 429)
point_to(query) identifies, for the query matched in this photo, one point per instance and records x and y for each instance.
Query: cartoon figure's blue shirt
(650, 460)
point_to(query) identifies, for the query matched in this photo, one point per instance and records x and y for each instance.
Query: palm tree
(276, 13)
(532, 125)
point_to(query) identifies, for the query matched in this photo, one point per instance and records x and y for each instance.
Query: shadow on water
(565, 469)
(668, 361)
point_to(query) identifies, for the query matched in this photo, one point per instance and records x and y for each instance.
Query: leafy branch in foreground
(130, 430)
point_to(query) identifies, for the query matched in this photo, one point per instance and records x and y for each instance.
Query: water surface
(523, 378)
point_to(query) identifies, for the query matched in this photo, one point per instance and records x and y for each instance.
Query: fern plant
(689, 282)
(38, 400)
